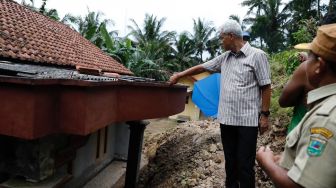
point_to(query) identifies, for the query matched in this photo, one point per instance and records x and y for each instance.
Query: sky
(179, 14)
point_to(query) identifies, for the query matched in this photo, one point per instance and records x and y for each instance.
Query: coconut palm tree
(51, 13)
(267, 26)
(151, 31)
(90, 25)
(184, 53)
(155, 46)
(214, 47)
(93, 28)
(254, 5)
(202, 33)
(275, 19)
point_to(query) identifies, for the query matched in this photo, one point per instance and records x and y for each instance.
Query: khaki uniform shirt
(310, 151)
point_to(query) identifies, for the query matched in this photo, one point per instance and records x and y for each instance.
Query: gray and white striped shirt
(242, 75)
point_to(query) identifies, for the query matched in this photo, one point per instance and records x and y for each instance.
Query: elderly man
(309, 157)
(243, 104)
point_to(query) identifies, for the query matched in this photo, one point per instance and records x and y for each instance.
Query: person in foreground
(309, 157)
(295, 93)
(244, 93)
(296, 89)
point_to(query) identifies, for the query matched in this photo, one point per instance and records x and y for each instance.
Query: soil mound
(191, 155)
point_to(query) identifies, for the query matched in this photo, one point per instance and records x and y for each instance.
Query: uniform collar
(321, 92)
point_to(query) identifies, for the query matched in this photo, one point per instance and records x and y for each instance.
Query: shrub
(282, 66)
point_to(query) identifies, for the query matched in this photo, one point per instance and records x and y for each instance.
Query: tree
(213, 47)
(202, 31)
(306, 32)
(151, 31)
(275, 19)
(272, 18)
(155, 52)
(92, 26)
(253, 5)
(184, 54)
(300, 10)
(332, 5)
(51, 13)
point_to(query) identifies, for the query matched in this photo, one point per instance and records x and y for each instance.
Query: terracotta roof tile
(30, 36)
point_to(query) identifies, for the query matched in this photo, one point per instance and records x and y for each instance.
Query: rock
(211, 169)
(200, 170)
(196, 139)
(210, 179)
(204, 125)
(213, 148)
(151, 151)
(205, 155)
(217, 184)
(183, 182)
(206, 164)
(217, 167)
(195, 175)
(217, 159)
(192, 182)
(220, 146)
(207, 172)
(199, 162)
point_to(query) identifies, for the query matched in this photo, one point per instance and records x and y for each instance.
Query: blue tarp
(206, 94)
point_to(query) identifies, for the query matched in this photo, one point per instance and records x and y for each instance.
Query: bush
(289, 59)
(306, 32)
(282, 66)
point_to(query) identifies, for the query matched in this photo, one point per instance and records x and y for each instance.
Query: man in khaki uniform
(309, 159)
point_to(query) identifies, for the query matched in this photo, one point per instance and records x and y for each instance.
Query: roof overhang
(33, 108)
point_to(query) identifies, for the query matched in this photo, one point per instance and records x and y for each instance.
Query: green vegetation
(148, 51)
(280, 75)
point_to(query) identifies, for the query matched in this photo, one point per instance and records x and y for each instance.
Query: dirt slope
(191, 155)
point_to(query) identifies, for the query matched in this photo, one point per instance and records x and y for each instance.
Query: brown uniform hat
(324, 44)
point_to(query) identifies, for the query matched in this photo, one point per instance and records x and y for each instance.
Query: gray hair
(231, 26)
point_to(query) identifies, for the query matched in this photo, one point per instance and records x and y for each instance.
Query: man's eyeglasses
(222, 35)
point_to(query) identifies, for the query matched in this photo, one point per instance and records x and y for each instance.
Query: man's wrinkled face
(225, 40)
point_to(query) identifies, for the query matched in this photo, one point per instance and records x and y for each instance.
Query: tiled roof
(30, 36)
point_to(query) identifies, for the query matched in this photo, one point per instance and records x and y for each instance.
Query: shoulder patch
(316, 146)
(322, 131)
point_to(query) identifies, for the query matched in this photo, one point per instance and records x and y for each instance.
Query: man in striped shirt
(245, 93)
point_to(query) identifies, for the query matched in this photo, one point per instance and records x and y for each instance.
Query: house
(62, 120)
(191, 111)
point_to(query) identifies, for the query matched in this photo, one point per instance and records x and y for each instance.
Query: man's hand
(174, 79)
(264, 123)
(189, 72)
(265, 157)
(268, 162)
